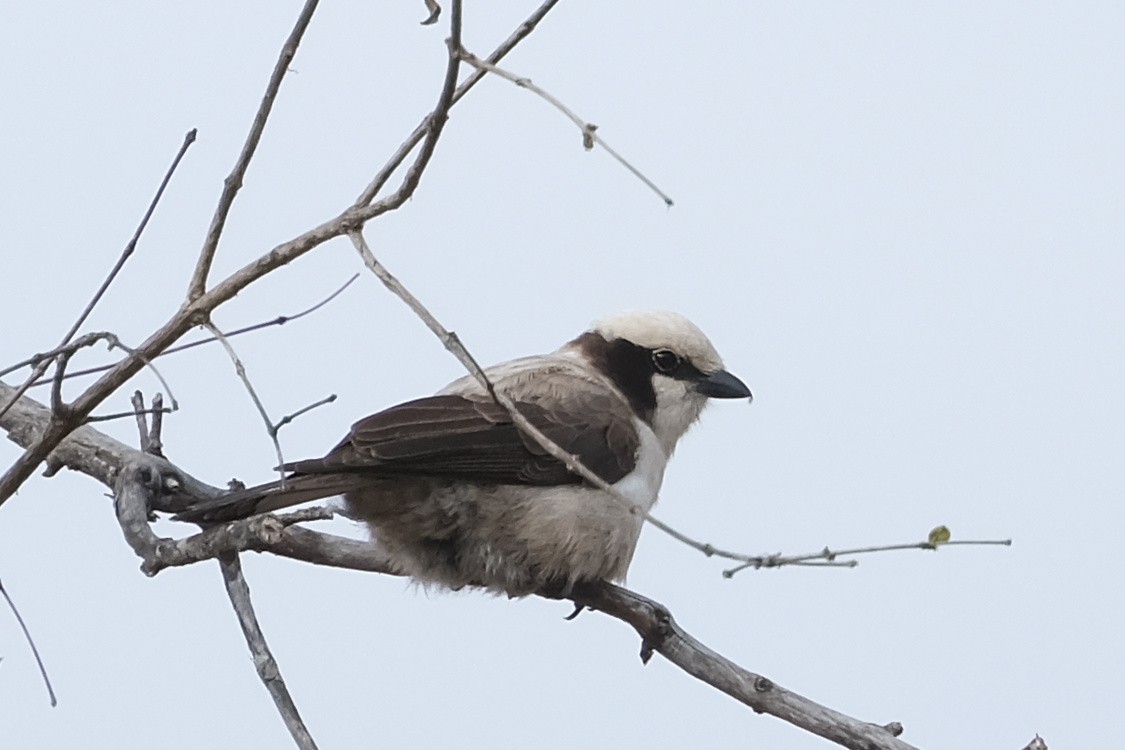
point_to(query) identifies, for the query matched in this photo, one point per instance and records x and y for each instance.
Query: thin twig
(589, 130)
(62, 414)
(87, 339)
(233, 182)
(42, 361)
(240, 370)
(280, 320)
(94, 418)
(303, 410)
(132, 244)
(139, 410)
(130, 247)
(453, 344)
(36, 373)
(57, 404)
(498, 54)
(363, 210)
(31, 644)
(151, 442)
(828, 556)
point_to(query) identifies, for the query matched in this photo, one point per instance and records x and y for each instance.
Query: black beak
(722, 384)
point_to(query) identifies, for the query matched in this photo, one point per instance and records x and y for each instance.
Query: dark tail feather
(267, 497)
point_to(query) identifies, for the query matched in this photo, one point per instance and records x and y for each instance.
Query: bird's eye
(665, 361)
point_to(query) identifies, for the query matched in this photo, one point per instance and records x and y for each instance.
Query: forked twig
(828, 557)
(589, 130)
(130, 247)
(423, 128)
(240, 370)
(280, 320)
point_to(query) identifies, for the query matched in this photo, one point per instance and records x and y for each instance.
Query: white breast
(642, 485)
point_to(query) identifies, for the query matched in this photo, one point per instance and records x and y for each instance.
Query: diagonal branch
(266, 665)
(145, 477)
(423, 128)
(453, 344)
(363, 210)
(660, 633)
(588, 129)
(197, 309)
(233, 182)
(658, 630)
(42, 364)
(135, 484)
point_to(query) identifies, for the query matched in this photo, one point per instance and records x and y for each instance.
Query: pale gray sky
(901, 224)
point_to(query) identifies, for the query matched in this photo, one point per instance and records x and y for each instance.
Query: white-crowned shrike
(459, 496)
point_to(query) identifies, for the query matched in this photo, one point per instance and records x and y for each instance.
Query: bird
(459, 497)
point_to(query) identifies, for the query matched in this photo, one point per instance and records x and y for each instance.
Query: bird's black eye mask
(667, 362)
(631, 368)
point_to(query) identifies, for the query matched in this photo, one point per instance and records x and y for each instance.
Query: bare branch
(199, 308)
(435, 12)
(240, 370)
(134, 486)
(16, 393)
(268, 671)
(828, 556)
(61, 355)
(41, 365)
(189, 139)
(280, 320)
(146, 475)
(660, 633)
(88, 339)
(423, 128)
(155, 445)
(363, 210)
(453, 344)
(303, 410)
(588, 129)
(233, 182)
(31, 644)
(85, 450)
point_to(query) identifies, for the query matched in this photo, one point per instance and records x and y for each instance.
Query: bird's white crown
(659, 329)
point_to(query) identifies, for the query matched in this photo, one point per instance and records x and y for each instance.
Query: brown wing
(471, 440)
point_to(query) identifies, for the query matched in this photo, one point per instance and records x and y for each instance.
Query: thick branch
(86, 450)
(268, 671)
(660, 633)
